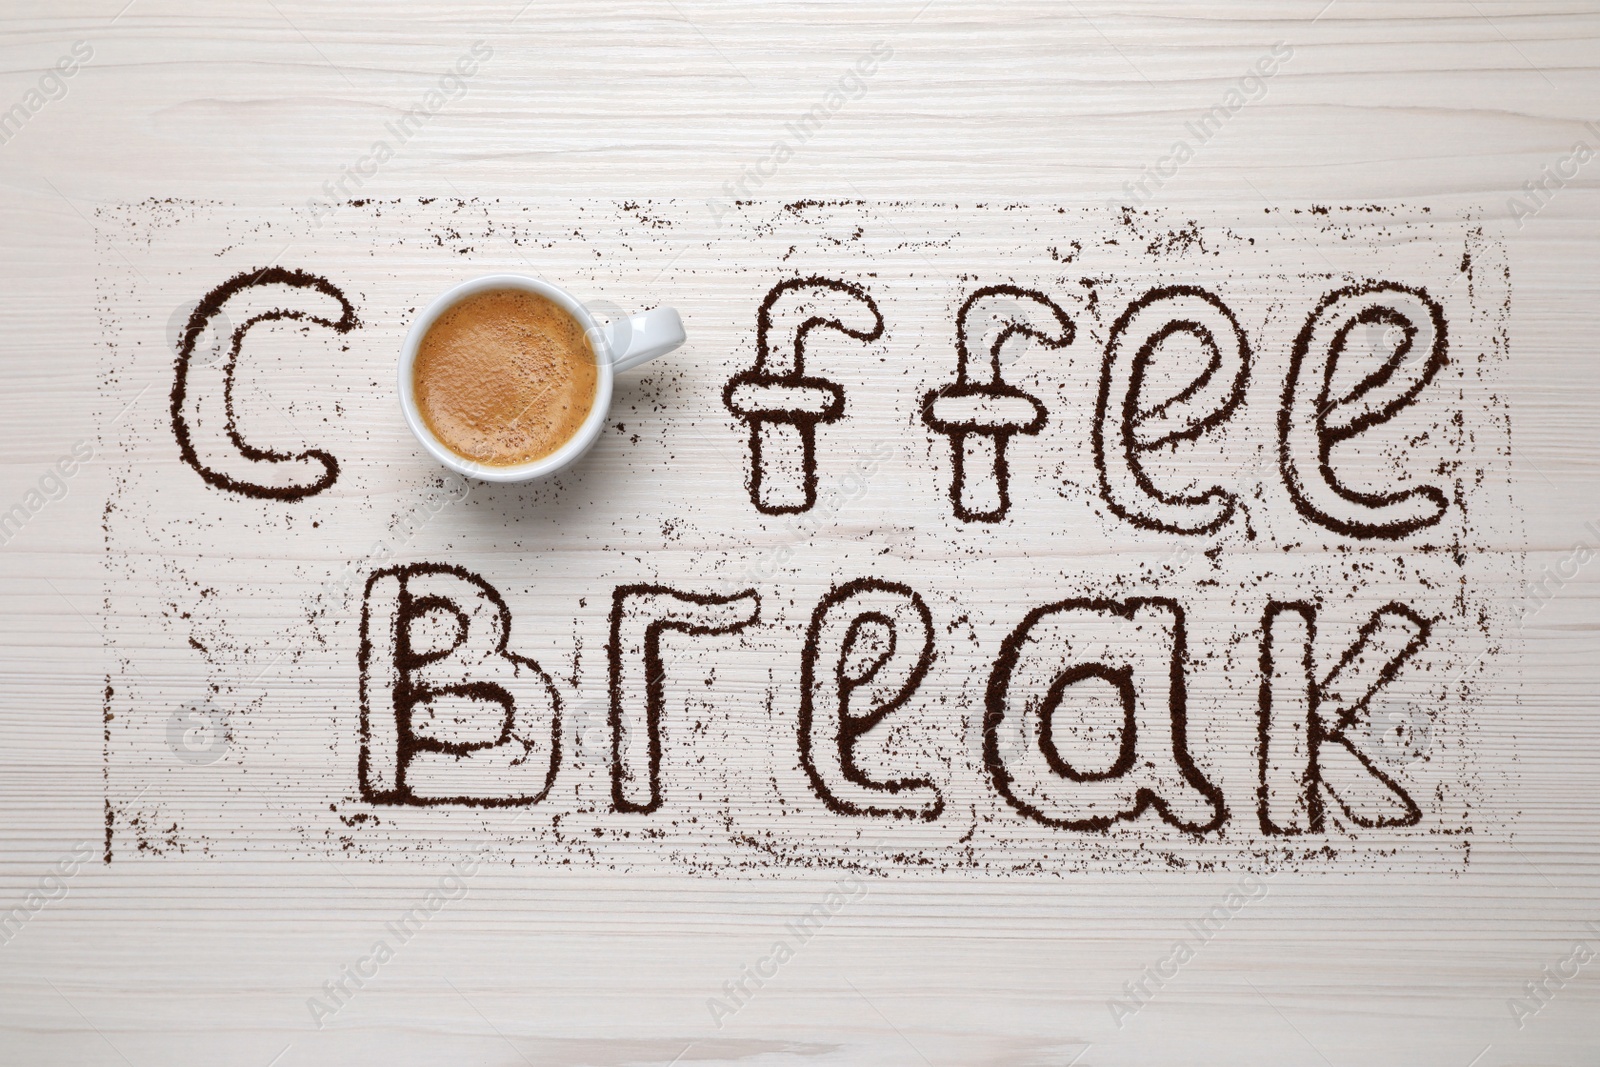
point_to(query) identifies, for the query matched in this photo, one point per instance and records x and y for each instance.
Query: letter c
(203, 416)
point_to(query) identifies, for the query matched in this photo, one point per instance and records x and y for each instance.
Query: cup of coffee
(507, 378)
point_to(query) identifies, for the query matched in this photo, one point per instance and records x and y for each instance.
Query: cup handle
(640, 338)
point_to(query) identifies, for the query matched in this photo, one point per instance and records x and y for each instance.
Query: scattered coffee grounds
(1218, 570)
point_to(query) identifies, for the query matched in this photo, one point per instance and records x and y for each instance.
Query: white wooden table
(606, 147)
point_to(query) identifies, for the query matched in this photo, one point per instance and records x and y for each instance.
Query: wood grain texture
(1452, 107)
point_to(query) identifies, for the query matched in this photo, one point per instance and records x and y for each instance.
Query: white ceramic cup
(626, 342)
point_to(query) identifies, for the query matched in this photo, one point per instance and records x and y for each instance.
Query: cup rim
(574, 447)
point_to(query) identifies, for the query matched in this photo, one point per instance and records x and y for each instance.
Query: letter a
(1137, 647)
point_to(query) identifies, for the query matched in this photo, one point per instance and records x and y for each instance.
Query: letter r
(640, 614)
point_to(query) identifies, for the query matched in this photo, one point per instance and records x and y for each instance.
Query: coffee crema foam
(505, 377)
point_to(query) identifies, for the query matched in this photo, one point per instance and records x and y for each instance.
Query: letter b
(448, 716)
